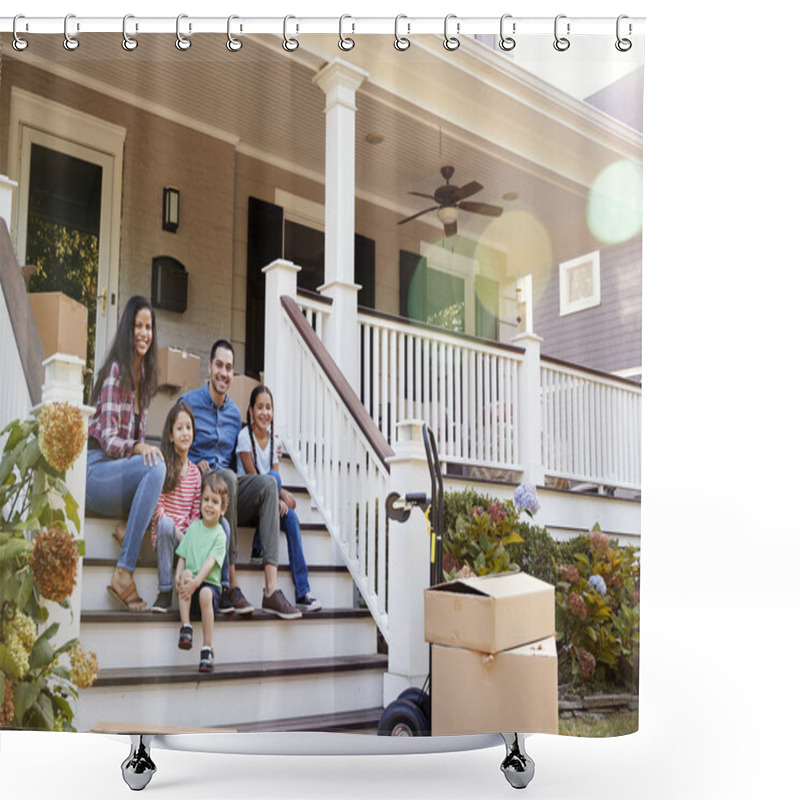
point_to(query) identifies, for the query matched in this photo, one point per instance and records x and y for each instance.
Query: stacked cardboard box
(494, 664)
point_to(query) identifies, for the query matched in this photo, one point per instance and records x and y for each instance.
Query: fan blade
(467, 190)
(450, 229)
(481, 208)
(418, 214)
(420, 194)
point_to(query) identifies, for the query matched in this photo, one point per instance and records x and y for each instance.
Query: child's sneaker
(255, 556)
(206, 660)
(185, 637)
(163, 603)
(277, 604)
(308, 603)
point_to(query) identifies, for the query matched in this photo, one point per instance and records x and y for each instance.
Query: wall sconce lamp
(171, 209)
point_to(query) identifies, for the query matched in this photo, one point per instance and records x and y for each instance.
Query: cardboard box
(62, 323)
(490, 614)
(178, 368)
(239, 391)
(513, 691)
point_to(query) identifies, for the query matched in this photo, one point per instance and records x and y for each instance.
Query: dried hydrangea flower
(497, 513)
(577, 605)
(569, 573)
(587, 663)
(62, 434)
(55, 563)
(598, 543)
(84, 667)
(7, 708)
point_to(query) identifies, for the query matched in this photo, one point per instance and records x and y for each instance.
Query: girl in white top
(258, 451)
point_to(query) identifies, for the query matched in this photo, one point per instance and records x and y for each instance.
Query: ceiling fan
(449, 199)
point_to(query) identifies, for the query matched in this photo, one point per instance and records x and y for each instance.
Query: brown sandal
(129, 598)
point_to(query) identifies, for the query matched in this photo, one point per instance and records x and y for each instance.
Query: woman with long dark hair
(124, 474)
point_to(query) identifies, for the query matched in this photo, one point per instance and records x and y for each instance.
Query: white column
(530, 408)
(7, 187)
(340, 81)
(409, 567)
(281, 279)
(63, 382)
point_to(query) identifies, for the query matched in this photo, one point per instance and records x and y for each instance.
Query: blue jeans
(167, 541)
(290, 525)
(124, 487)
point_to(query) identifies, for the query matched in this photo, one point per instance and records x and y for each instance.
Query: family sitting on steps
(163, 489)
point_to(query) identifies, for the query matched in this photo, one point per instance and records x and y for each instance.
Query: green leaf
(42, 654)
(30, 455)
(72, 511)
(25, 695)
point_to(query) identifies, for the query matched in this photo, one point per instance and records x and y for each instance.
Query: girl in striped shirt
(179, 503)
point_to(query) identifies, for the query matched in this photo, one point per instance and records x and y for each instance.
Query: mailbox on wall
(169, 284)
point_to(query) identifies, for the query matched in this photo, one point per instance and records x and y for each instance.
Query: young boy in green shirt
(197, 577)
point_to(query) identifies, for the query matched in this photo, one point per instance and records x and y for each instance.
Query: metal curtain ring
(19, 43)
(561, 43)
(506, 42)
(401, 42)
(70, 42)
(289, 44)
(345, 42)
(233, 44)
(623, 45)
(128, 42)
(451, 42)
(181, 42)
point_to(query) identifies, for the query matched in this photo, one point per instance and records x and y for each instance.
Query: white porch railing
(465, 389)
(15, 401)
(591, 426)
(343, 468)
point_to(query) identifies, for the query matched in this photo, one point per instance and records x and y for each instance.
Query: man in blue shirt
(251, 498)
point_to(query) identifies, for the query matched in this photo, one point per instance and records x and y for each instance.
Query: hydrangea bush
(39, 562)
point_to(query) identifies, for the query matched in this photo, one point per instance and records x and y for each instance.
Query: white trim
(589, 293)
(34, 119)
(301, 210)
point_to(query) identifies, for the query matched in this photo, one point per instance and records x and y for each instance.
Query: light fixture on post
(171, 209)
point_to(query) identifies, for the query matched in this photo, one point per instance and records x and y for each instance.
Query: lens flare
(614, 207)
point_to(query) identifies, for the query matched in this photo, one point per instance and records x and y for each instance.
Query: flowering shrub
(38, 561)
(597, 613)
(526, 499)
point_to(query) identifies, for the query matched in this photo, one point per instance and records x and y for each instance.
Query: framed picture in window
(579, 283)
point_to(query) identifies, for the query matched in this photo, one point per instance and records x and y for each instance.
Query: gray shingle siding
(607, 337)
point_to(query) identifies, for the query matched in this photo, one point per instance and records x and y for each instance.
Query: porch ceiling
(508, 132)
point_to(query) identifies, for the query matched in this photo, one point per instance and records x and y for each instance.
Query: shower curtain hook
(345, 42)
(506, 42)
(451, 42)
(401, 42)
(19, 43)
(289, 44)
(128, 42)
(70, 42)
(181, 42)
(233, 44)
(561, 43)
(623, 45)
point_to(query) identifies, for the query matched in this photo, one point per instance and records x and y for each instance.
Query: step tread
(98, 616)
(123, 676)
(245, 566)
(317, 723)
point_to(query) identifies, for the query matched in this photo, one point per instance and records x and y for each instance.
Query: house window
(579, 283)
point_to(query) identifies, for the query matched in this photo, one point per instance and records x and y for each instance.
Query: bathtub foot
(518, 766)
(138, 768)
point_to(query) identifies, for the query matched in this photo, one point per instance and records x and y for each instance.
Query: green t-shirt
(200, 542)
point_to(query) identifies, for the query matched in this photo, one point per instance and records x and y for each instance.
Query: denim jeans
(124, 487)
(167, 541)
(290, 525)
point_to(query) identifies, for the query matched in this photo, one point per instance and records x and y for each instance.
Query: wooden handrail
(360, 415)
(28, 342)
(589, 370)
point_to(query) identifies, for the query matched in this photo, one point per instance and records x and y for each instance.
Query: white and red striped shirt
(182, 504)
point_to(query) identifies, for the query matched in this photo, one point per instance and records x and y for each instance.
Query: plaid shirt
(112, 423)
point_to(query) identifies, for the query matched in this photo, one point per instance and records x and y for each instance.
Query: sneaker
(277, 604)
(308, 603)
(163, 603)
(255, 556)
(185, 637)
(206, 660)
(234, 602)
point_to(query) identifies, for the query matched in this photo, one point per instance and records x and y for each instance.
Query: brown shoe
(277, 604)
